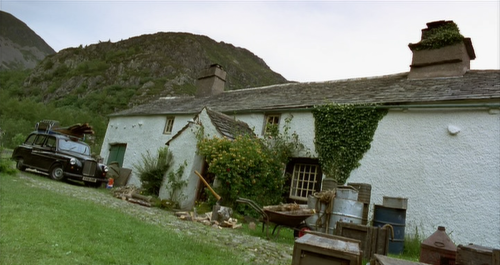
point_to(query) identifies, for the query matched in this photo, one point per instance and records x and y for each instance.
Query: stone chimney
(211, 81)
(441, 52)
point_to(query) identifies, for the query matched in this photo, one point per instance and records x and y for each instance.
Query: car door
(42, 154)
(24, 150)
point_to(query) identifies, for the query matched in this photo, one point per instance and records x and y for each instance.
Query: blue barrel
(396, 217)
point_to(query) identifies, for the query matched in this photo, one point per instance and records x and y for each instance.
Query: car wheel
(20, 164)
(56, 172)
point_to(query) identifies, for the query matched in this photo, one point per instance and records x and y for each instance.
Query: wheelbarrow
(294, 219)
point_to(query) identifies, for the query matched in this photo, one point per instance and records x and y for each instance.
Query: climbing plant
(343, 134)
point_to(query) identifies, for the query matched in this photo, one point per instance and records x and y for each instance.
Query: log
(140, 202)
(142, 197)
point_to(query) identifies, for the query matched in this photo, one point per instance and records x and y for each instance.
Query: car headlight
(105, 168)
(72, 161)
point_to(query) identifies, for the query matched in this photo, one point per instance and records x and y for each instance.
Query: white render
(450, 178)
(140, 133)
(445, 161)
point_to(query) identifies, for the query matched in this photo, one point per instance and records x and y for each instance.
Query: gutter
(402, 107)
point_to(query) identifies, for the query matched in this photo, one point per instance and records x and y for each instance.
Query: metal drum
(313, 203)
(347, 211)
(364, 196)
(396, 217)
(346, 192)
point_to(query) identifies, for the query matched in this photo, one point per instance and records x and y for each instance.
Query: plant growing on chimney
(444, 34)
(343, 134)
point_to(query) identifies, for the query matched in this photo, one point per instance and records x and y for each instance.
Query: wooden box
(318, 249)
(373, 240)
(477, 255)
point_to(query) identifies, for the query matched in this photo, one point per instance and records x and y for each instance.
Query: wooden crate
(318, 248)
(374, 240)
(475, 254)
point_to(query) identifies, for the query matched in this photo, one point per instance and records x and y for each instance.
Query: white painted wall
(301, 123)
(183, 148)
(140, 134)
(449, 180)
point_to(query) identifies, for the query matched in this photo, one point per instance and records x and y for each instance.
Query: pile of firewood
(132, 194)
(206, 219)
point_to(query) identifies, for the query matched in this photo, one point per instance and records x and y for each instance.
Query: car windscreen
(68, 145)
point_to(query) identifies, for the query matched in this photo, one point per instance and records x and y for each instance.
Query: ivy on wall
(343, 134)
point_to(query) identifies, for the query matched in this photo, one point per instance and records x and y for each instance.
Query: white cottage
(438, 146)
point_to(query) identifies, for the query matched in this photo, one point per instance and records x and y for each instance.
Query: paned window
(304, 181)
(169, 124)
(272, 120)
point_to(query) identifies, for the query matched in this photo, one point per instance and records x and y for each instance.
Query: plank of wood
(384, 260)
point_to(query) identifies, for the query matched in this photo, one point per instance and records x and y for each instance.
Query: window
(51, 142)
(305, 181)
(169, 124)
(40, 139)
(30, 139)
(271, 121)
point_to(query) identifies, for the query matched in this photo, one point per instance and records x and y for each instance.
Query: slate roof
(228, 126)
(474, 86)
(225, 125)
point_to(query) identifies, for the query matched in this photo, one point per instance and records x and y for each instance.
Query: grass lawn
(41, 227)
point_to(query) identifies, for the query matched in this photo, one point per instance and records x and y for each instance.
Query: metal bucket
(346, 192)
(347, 211)
(312, 203)
(396, 217)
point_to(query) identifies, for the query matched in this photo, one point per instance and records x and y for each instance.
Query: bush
(6, 166)
(152, 170)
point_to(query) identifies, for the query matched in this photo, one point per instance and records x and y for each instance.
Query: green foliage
(175, 184)
(250, 167)
(152, 170)
(435, 38)
(343, 134)
(244, 167)
(90, 68)
(282, 145)
(18, 139)
(6, 165)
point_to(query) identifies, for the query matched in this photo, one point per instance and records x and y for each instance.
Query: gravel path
(254, 250)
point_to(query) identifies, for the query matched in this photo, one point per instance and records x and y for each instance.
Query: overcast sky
(302, 40)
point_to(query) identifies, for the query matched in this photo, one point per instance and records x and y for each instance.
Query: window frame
(276, 118)
(314, 187)
(169, 125)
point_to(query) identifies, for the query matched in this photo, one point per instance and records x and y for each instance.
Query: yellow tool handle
(208, 186)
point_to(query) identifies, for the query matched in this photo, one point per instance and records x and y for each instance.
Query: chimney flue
(211, 81)
(442, 52)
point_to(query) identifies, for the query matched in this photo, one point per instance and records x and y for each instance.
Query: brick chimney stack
(211, 81)
(452, 60)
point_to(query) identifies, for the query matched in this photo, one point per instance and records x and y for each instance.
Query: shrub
(250, 167)
(244, 167)
(152, 170)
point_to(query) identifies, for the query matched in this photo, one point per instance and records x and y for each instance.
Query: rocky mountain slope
(114, 76)
(20, 47)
